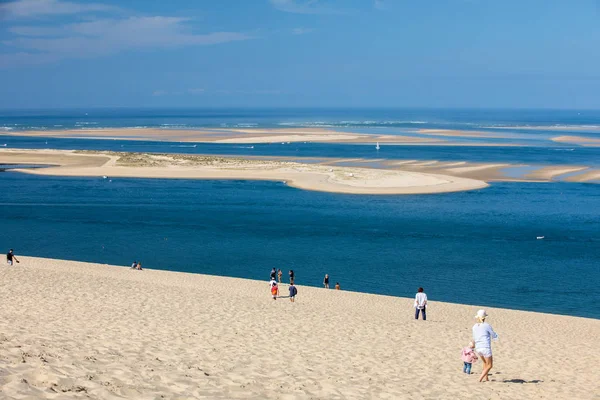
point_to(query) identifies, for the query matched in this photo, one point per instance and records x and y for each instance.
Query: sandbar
(239, 136)
(578, 140)
(461, 133)
(81, 330)
(549, 173)
(351, 180)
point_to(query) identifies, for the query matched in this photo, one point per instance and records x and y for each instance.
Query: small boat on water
(377, 147)
(540, 237)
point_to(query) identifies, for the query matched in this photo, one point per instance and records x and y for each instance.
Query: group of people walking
(275, 286)
(479, 348)
(275, 281)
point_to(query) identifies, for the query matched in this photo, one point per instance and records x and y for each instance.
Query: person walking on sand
(291, 276)
(326, 281)
(274, 289)
(279, 275)
(421, 304)
(482, 335)
(469, 357)
(10, 257)
(293, 293)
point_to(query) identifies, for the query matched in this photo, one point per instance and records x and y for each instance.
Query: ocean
(181, 118)
(475, 247)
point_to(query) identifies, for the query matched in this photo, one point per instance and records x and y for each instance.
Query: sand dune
(78, 330)
(303, 176)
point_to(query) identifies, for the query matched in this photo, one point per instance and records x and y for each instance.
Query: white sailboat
(377, 147)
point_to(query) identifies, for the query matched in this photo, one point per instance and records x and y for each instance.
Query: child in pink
(468, 357)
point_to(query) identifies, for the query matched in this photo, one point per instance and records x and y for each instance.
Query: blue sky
(321, 53)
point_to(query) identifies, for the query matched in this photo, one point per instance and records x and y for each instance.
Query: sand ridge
(82, 330)
(337, 179)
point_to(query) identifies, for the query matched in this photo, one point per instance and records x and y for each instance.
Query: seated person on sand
(139, 266)
(337, 286)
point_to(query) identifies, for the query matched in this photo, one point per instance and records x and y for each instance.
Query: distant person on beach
(291, 276)
(10, 257)
(274, 289)
(482, 335)
(420, 304)
(279, 275)
(134, 265)
(337, 286)
(273, 273)
(326, 281)
(469, 357)
(293, 292)
(139, 266)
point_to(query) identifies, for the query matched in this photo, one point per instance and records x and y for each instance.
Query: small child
(293, 292)
(274, 289)
(468, 357)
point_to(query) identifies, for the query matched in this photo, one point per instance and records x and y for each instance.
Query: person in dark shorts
(291, 276)
(273, 273)
(326, 281)
(10, 257)
(293, 292)
(134, 265)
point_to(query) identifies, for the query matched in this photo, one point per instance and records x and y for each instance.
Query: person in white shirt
(482, 335)
(420, 304)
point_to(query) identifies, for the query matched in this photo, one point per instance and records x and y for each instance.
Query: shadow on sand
(521, 381)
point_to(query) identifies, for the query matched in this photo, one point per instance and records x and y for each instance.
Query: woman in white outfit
(482, 335)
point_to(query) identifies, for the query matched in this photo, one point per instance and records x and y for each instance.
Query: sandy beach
(81, 330)
(304, 176)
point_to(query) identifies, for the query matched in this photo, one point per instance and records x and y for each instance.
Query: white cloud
(158, 93)
(196, 91)
(302, 31)
(305, 7)
(38, 8)
(108, 36)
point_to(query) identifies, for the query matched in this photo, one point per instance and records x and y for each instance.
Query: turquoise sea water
(476, 247)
